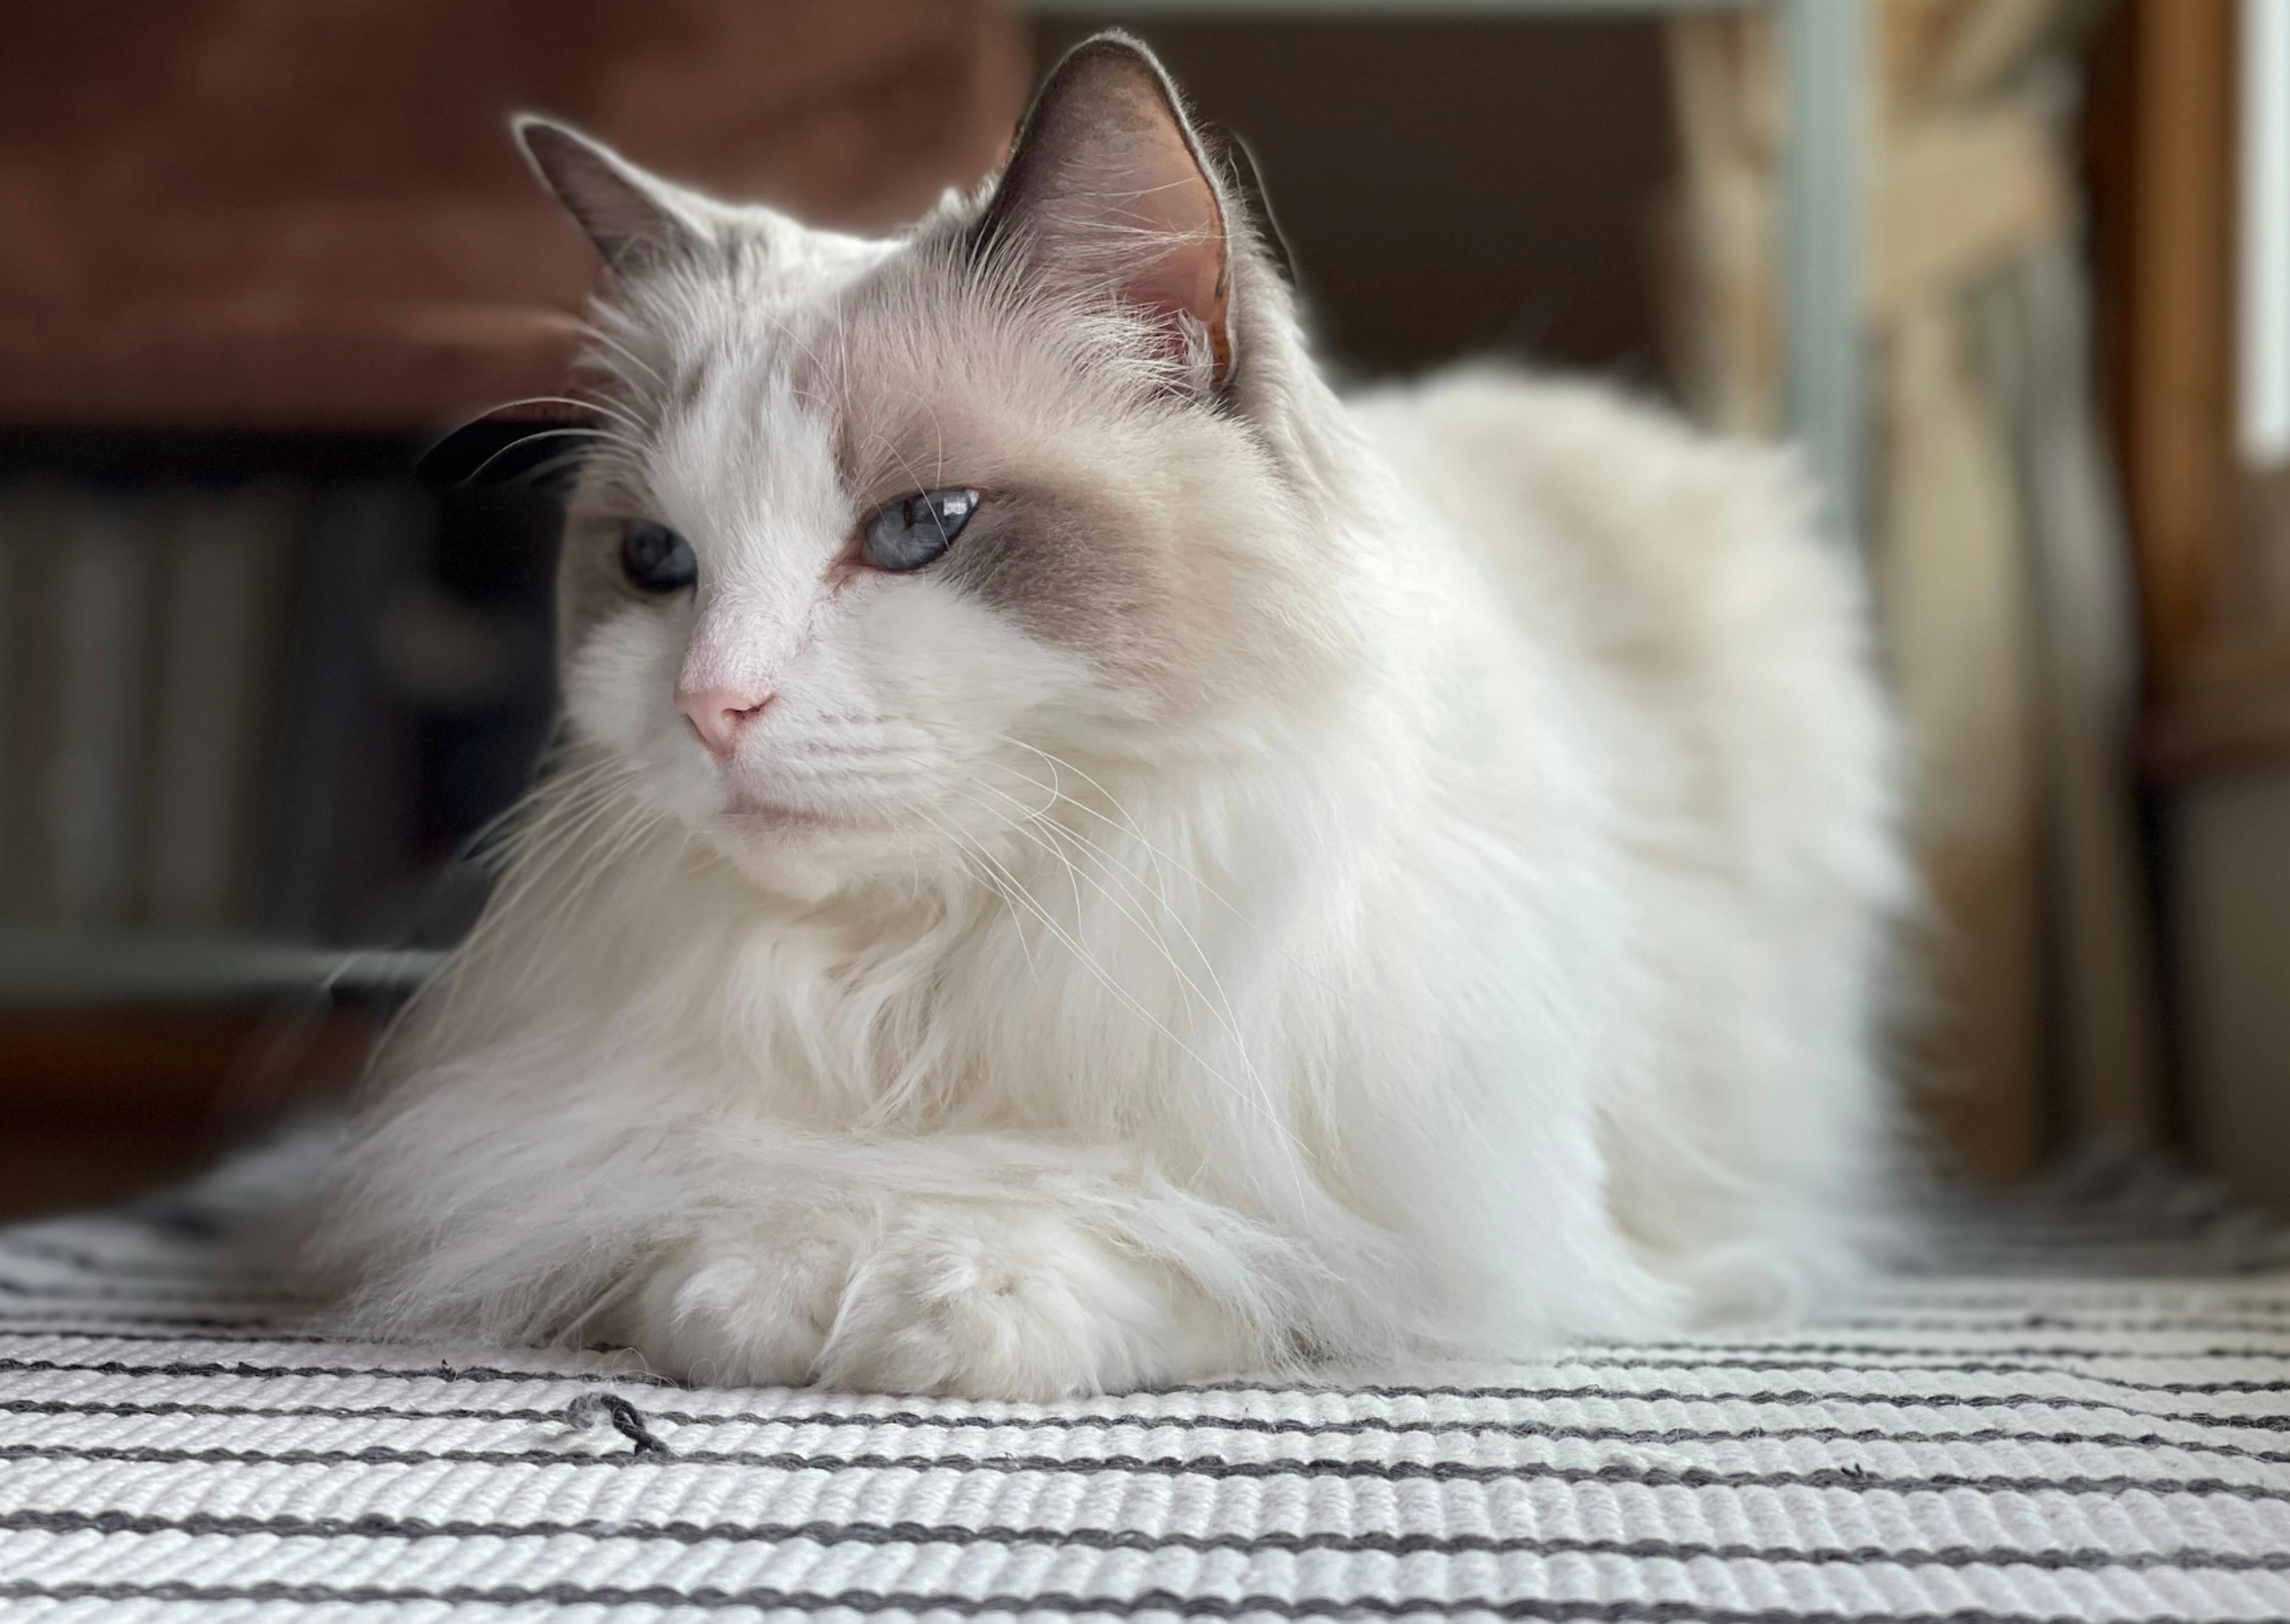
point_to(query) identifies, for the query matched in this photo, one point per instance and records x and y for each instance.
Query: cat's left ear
(1107, 192)
(632, 216)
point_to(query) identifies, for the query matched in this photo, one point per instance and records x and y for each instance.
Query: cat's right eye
(655, 558)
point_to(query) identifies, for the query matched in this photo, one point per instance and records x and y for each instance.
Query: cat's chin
(804, 854)
(748, 817)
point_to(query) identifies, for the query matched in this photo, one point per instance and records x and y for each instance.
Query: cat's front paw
(747, 1305)
(993, 1301)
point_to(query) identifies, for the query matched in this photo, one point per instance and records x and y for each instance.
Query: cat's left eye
(909, 532)
(656, 558)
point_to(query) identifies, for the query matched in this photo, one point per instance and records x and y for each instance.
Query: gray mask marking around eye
(1042, 560)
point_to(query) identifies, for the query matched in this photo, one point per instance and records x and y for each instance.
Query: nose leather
(718, 714)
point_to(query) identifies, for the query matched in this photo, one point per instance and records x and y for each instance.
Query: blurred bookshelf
(258, 687)
(256, 694)
(259, 682)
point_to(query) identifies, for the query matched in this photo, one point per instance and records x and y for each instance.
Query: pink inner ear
(1162, 194)
(1105, 185)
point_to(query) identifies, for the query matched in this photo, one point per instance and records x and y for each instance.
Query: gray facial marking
(1057, 569)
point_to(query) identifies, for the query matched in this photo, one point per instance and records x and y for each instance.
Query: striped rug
(2084, 1413)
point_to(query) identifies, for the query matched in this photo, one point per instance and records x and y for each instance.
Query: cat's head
(875, 533)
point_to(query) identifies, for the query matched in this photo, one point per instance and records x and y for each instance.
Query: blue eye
(914, 530)
(656, 558)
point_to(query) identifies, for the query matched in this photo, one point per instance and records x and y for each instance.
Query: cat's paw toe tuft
(746, 1306)
(988, 1302)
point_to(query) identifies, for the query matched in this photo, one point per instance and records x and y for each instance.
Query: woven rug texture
(2080, 1411)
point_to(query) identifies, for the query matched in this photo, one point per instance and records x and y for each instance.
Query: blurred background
(2015, 272)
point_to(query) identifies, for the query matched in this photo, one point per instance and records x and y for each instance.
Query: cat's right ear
(632, 216)
(1108, 192)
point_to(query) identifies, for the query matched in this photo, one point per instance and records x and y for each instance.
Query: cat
(1084, 861)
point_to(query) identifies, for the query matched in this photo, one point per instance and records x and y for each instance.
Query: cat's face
(883, 542)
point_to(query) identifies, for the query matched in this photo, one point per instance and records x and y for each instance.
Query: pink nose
(718, 714)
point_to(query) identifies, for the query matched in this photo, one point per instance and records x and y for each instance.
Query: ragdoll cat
(1087, 860)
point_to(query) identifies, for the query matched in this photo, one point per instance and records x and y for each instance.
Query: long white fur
(1475, 938)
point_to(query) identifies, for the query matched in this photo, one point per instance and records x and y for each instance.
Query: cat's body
(1293, 880)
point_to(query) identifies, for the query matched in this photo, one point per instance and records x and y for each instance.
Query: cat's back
(1680, 575)
(1637, 527)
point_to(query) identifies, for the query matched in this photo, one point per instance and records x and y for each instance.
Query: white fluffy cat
(1087, 860)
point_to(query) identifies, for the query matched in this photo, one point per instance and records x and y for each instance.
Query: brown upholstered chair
(263, 214)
